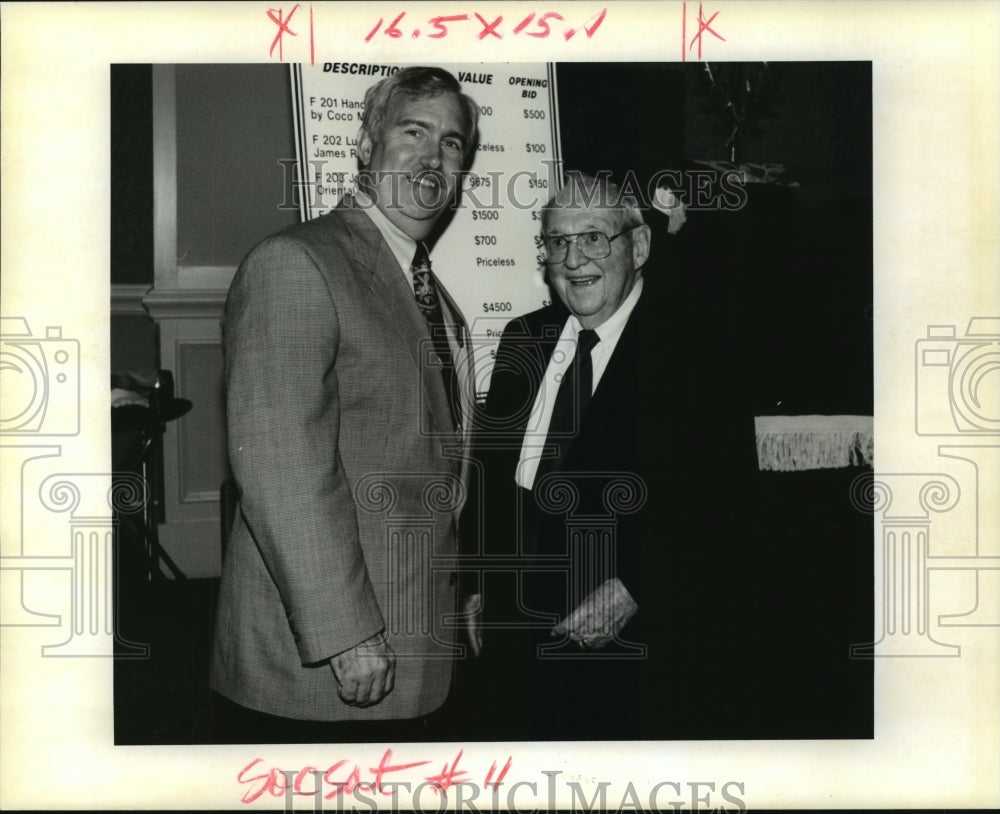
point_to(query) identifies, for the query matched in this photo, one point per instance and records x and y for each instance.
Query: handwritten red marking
(384, 768)
(303, 773)
(541, 28)
(328, 779)
(342, 786)
(490, 28)
(684, 23)
(392, 30)
(589, 29)
(500, 777)
(270, 779)
(447, 778)
(438, 22)
(524, 23)
(292, 783)
(312, 38)
(543, 24)
(703, 26)
(277, 17)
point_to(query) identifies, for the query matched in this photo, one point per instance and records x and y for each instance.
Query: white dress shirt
(609, 332)
(403, 246)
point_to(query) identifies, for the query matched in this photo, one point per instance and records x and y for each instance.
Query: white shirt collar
(613, 326)
(609, 331)
(402, 245)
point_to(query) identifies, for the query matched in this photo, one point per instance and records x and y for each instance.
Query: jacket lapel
(452, 314)
(538, 342)
(621, 365)
(389, 287)
(616, 401)
(462, 354)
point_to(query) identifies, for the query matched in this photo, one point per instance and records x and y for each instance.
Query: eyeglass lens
(592, 245)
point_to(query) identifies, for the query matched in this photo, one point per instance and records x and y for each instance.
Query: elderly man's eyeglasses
(592, 245)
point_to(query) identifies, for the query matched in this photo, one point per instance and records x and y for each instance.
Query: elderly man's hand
(366, 673)
(600, 616)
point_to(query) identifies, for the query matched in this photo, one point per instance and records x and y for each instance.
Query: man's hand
(472, 609)
(366, 673)
(601, 615)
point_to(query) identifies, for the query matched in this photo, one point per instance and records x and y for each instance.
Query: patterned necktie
(571, 402)
(426, 294)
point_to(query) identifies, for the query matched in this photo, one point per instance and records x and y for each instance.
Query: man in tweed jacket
(345, 442)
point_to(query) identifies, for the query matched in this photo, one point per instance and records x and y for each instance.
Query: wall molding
(194, 457)
(185, 303)
(201, 497)
(200, 471)
(126, 298)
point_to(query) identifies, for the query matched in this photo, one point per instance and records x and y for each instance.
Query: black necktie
(571, 402)
(425, 291)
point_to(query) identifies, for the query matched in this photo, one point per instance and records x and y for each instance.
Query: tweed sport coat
(350, 471)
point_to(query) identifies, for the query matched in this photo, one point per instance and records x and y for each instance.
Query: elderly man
(347, 370)
(609, 467)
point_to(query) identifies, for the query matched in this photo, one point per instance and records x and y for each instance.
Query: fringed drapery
(791, 443)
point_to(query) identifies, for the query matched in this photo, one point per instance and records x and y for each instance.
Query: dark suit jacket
(666, 453)
(338, 438)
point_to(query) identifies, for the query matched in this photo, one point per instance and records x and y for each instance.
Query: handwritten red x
(490, 28)
(703, 26)
(275, 16)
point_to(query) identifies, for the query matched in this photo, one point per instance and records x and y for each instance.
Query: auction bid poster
(488, 255)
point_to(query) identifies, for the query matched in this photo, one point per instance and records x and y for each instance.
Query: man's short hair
(417, 83)
(585, 191)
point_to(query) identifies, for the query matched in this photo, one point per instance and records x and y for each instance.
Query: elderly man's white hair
(585, 191)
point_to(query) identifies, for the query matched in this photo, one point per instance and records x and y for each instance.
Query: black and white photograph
(367, 536)
(499, 407)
